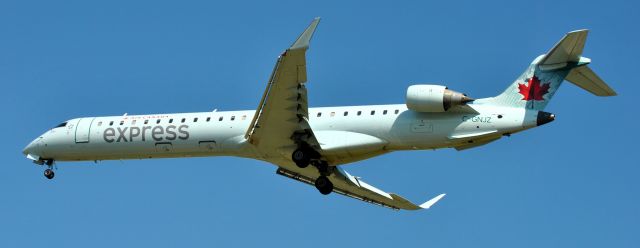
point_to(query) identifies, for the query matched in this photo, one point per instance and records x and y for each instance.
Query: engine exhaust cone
(544, 118)
(466, 99)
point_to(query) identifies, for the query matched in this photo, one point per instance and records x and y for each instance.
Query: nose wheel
(48, 173)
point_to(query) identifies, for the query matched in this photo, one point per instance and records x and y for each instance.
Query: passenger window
(121, 122)
(183, 119)
(373, 112)
(133, 122)
(244, 117)
(208, 119)
(384, 112)
(146, 122)
(397, 111)
(111, 123)
(359, 112)
(319, 114)
(99, 123)
(158, 121)
(333, 114)
(233, 117)
(170, 120)
(220, 119)
(195, 119)
(346, 113)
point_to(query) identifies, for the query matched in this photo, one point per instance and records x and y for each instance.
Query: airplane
(286, 132)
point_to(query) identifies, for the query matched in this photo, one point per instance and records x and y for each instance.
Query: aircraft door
(83, 130)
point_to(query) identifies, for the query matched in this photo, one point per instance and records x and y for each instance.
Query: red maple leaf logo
(534, 91)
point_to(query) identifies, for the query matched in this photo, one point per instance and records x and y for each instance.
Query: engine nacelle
(434, 98)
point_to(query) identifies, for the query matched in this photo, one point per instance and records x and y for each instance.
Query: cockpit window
(61, 125)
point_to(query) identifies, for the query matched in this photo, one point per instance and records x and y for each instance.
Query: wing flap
(354, 187)
(310, 181)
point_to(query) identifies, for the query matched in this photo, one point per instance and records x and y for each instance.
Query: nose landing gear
(48, 173)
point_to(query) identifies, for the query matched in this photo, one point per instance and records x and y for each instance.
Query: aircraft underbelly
(340, 147)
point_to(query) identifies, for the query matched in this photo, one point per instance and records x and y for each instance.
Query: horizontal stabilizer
(588, 80)
(566, 50)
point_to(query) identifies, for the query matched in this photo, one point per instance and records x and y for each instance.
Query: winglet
(430, 203)
(406, 204)
(303, 40)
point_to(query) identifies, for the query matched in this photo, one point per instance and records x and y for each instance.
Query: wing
(281, 122)
(282, 116)
(354, 187)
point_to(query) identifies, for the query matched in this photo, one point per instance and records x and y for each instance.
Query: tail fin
(537, 85)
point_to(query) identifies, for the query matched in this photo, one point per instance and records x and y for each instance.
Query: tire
(301, 158)
(49, 174)
(324, 185)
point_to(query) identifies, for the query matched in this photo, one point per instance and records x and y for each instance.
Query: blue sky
(570, 183)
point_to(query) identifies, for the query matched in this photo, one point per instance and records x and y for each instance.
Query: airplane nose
(27, 149)
(32, 148)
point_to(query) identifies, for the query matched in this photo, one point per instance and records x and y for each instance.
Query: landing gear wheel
(324, 185)
(48, 173)
(301, 158)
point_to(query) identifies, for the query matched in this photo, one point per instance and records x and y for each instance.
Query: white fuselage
(350, 133)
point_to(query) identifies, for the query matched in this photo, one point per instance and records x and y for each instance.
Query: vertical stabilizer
(540, 81)
(567, 50)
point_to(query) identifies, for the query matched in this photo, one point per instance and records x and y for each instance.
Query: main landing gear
(48, 173)
(303, 157)
(324, 185)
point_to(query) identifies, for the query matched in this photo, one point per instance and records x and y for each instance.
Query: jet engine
(434, 98)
